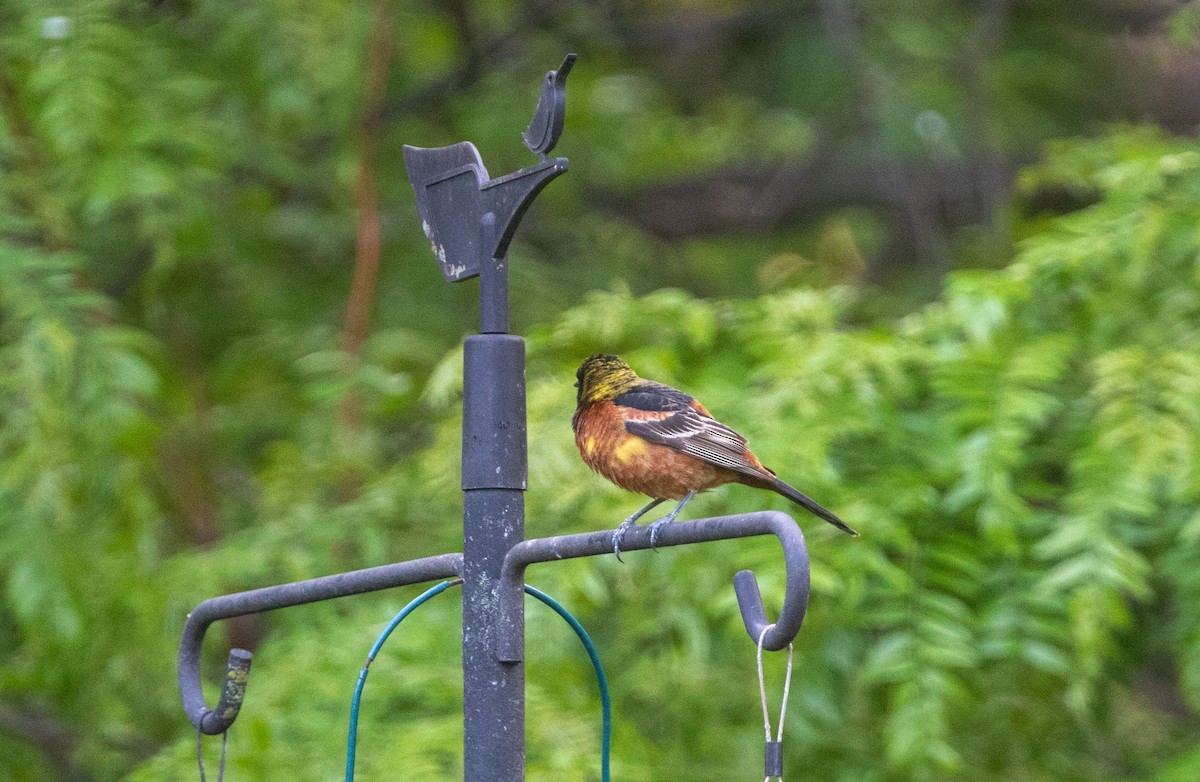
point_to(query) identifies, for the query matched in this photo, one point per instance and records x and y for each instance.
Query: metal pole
(493, 284)
(494, 480)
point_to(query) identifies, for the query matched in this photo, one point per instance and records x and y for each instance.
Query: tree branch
(734, 201)
(912, 198)
(985, 39)
(369, 238)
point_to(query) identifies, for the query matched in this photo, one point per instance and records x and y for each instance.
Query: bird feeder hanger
(470, 219)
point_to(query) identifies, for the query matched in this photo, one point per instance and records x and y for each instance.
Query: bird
(546, 126)
(656, 440)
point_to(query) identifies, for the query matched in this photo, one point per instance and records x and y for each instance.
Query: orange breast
(635, 464)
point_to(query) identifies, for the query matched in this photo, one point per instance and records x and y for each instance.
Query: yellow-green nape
(603, 376)
(601, 362)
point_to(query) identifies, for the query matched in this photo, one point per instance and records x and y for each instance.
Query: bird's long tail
(803, 500)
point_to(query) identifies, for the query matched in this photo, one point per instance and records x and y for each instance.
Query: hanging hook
(510, 632)
(795, 591)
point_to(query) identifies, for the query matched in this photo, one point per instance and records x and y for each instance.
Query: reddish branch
(366, 205)
(33, 169)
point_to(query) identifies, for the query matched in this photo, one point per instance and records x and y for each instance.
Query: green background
(940, 262)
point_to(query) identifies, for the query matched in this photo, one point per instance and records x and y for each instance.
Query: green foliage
(75, 447)
(1020, 454)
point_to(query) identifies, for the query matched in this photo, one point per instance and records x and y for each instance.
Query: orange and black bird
(654, 439)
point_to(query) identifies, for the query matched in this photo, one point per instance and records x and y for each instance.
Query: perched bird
(654, 439)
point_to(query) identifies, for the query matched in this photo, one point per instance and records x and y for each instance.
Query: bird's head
(603, 377)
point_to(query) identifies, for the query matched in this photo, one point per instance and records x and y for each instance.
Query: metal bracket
(510, 616)
(356, 582)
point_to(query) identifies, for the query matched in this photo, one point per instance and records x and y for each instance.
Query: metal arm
(356, 582)
(510, 628)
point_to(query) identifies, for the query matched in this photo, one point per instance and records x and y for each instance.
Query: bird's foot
(656, 526)
(665, 520)
(630, 521)
(619, 535)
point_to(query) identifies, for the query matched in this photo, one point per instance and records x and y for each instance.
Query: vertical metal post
(469, 219)
(493, 284)
(494, 481)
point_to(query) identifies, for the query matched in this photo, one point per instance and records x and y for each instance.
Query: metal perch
(510, 623)
(510, 637)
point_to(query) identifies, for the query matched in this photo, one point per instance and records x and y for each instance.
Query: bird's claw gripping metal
(665, 520)
(655, 527)
(631, 521)
(619, 535)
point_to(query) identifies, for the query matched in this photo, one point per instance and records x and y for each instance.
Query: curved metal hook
(237, 674)
(218, 720)
(511, 628)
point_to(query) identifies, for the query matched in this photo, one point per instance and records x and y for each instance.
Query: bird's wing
(663, 415)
